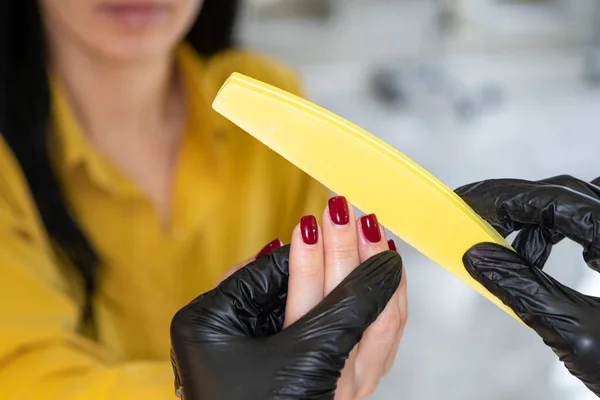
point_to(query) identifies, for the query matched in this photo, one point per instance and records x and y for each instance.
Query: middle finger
(340, 251)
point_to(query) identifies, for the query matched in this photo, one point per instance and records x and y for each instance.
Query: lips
(135, 14)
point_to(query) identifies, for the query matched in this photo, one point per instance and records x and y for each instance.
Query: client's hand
(319, 261)
(231, 343)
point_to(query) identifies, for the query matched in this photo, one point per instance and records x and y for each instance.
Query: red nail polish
(392, 245)
(370, 228)
(309, 229)
(275, 244)
(338, 210)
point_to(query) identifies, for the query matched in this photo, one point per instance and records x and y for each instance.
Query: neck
(111, 98)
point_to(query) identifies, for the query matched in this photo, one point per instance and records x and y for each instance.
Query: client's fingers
(305, 287)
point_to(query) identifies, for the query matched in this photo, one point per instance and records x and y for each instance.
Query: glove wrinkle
(229, 344)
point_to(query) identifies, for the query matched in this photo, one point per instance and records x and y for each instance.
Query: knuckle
(345, 252)
(587, 346)
(563, 179)
(309, 270)
(388, 323)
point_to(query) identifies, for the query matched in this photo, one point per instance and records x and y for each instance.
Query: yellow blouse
(232, 195)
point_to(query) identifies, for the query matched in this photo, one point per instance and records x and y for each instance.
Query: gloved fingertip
(377, 278)
(388, 267)
(486, 252)
(485, 260)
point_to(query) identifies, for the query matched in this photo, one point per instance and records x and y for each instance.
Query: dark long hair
(25, 112)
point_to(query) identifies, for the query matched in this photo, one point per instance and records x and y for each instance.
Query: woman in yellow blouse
(123, 196)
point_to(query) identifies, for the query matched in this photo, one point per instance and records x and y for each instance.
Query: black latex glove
(229, 344)
(545, 212)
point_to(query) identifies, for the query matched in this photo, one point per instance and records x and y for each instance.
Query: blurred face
(120, 30)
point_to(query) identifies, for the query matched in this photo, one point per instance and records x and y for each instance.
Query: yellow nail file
(374, 176)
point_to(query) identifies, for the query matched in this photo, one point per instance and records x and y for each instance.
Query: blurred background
(469, 89)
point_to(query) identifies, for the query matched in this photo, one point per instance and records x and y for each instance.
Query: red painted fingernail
(370, 228)
(338, 210)
(309, 229)
(392, 245)
(275, 244)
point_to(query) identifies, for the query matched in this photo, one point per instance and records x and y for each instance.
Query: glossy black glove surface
(228, 344)
(544, 212)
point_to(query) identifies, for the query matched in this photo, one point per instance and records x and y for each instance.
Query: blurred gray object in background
(399, 84)
(592, 59)
(318, 9)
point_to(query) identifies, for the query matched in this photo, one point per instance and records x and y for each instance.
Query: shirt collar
(72, 150)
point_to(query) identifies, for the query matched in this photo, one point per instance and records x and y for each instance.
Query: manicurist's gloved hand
(229, 343)
(544, 212)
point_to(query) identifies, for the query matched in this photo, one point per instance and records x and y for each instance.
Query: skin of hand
(544, 212)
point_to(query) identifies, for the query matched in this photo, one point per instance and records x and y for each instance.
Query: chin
(139, 49)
